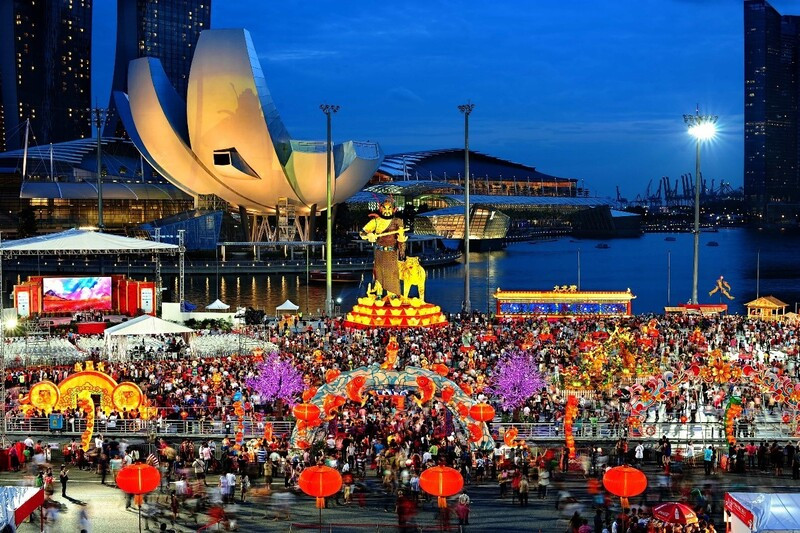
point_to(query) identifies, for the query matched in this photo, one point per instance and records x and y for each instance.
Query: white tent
(116, 337)
(753, 512)
(286, 307)
(147, 325)
(218, 305)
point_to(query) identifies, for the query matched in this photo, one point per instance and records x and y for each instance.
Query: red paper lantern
(441, 481)
(138, 479)
(309, 393)
(482, 412)
(306, 411)
(625, 481)
(320, 482)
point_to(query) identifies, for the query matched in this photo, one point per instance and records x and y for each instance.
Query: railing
(604, 431)
(531, 432)
(143, 428)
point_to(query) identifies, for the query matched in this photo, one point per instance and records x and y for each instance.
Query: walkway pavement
(489, 512)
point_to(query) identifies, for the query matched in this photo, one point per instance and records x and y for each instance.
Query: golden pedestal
(394, 313)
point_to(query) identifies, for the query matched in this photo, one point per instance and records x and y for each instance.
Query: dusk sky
(584, 89)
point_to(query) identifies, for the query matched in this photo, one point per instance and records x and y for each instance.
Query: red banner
(742, 513)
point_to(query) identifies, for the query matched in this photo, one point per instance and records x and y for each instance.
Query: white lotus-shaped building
(228, 139)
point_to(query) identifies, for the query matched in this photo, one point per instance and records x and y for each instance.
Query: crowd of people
(393, 438)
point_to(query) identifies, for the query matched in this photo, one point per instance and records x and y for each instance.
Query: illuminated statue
(723, 287)
(387, 234)
(412, 273)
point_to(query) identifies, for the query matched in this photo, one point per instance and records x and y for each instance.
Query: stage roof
(80, 242)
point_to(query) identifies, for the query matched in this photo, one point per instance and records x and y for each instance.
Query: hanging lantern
(441, 481)
(482, 412)
(306, 411)
(462, 409)
(625, 481)
(332, 374)
(320, 482)
(138, 479)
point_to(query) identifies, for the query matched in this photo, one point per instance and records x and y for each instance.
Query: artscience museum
(228, 139)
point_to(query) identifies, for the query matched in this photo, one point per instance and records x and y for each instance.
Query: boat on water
(670, 239)
(318, 276)
(603, 246)
(712, 243)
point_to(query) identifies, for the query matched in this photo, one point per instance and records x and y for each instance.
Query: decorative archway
(76, 391)
(330, 396)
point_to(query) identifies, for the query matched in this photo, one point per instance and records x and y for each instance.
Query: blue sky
(578, 88)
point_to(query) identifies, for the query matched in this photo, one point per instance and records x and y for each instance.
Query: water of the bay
(639, 264)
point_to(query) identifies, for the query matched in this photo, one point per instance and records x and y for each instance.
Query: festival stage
(57, 297)
(563, 302)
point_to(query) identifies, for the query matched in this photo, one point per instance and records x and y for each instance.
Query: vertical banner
(146, 297)
(23, 303)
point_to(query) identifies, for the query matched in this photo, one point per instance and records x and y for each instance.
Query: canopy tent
(82, 242)
(17, 504)
(286, 307)
(116, 337)
(218, 305)
(753, 512)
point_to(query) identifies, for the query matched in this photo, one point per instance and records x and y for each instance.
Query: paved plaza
(489, 512)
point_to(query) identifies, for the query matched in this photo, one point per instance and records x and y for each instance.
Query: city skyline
(617, 80)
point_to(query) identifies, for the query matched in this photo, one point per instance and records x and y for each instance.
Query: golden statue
(387, 234)
(412, 273)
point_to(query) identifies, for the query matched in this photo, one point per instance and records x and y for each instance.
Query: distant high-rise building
(771, 94)
(164, 29)
(45, 73)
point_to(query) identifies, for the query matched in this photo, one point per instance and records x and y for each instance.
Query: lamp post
(98, 119)
(329, 110)
(466, 109)
(702, 128)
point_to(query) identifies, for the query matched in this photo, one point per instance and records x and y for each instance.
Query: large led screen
(66, 295)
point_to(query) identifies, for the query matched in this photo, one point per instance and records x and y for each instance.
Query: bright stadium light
(702, 128)
(703, 131)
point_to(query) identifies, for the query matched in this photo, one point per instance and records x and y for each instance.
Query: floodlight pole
(329, 110)
(696, 123)
(181, 268)
(99, 116)
(466, 109)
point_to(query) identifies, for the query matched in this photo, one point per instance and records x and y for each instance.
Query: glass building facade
(164, 29)
(771, 93)
(45, 71)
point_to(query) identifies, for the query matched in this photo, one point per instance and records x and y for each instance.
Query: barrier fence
(530, 432)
